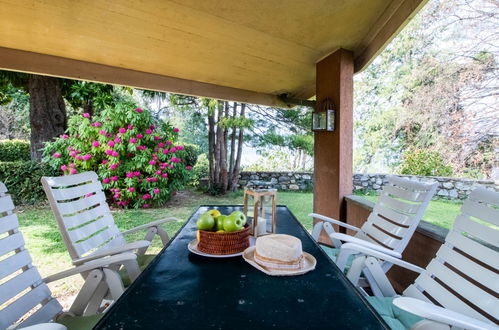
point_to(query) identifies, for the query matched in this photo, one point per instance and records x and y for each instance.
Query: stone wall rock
(449, 188)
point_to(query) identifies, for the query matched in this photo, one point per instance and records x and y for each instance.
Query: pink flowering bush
(137, 159)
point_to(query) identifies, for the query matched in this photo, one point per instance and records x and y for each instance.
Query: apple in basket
(235, 221)
(219, 222)
(205, 221)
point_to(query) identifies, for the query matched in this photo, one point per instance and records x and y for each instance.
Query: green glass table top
(181, 290)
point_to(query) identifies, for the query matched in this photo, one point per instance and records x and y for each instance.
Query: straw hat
(279, 255)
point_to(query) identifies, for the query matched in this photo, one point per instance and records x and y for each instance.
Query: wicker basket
(224, 243)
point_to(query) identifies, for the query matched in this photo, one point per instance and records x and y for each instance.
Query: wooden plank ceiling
(266, 47)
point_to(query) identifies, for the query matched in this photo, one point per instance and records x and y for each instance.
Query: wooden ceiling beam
(48, 65)
(390, 23)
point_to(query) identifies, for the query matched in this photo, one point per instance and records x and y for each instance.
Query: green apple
(233, 223)
(240, 215)
(205, 221)
(219, 222)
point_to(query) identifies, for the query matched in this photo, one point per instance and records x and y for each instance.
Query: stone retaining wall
(451, 188)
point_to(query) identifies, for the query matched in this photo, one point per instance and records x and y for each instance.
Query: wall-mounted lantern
(323, 119)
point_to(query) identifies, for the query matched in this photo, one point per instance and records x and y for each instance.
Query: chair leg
(355, 269)
(114, 283)
(163, 235)
(86, 293)
(328, 228)
(316, 232)
(95, 302)
(377, 279)
(132, 268)
(151, 232)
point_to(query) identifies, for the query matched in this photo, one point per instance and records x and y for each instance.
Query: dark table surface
(180, 290)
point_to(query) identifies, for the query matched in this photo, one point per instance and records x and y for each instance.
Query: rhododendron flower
(122, 130)
(72, 165)
(188, 168)
(176, 130)
(133, 140)
(152, 162)
(180, 147)
(152, 179)
(56, 155)
(87, 157)
(165, 151)
(70, 148)
(111, 144)
(95, 144)
(146, 196)
(152, 127)
(173, 149)
(164, 175)
(139, 110)
(136, 173)
(65, 136)
(78, 157)
(156, 149)
(161, 144)
(129, 175)
(105, 161)
(102, 132)
(86, 115)
(117, 140)
(64, 167)
(157, 137)
(156, 191)
(114, 178)
(109, 135)
(139, 136)
(117, 195)
(168, 143)
(148, 131)
(97, 124)
(115, 154)
(72, 171)
(162, 167)
(145, 206)
(130, 127)
(109, 152)
(142, 147)
(113, 166)
(72, 154)
(131, 189)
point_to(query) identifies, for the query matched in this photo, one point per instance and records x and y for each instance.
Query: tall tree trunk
(218, 146)
(211, 147)
(232, 146)
(237, 165)
(223, 152)
(47, 114)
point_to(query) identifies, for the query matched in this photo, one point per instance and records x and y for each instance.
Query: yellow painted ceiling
(266, 46)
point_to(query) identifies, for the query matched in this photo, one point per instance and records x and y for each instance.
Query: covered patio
(272, 53)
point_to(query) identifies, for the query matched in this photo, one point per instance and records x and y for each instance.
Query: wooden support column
(333, 150)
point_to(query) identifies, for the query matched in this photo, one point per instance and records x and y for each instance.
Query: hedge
(14, 150)
(22, 179)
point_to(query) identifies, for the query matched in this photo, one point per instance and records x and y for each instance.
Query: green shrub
(192, 153)
(201, 169)
(22, 179)
(14, 150)
(425, 163)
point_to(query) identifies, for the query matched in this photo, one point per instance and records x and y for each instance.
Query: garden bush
(425, 163)
(14, 150)
(22, 179)
(136, 158)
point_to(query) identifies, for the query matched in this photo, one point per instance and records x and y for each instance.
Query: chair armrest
(333, 221)
(112, 251)
(440, 314)
(99, 263)
(347, 247)
(43, 326)
(149, 225)
(358, 241)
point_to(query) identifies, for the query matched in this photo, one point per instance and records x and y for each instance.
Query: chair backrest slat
(79, 201)
(464, 275)
(22, 288)
(397, 213)
(52, 307)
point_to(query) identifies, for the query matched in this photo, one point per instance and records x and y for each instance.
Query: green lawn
(50, 256)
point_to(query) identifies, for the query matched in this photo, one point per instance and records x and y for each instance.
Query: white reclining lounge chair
(86, 223)
(389, 228)
(460, 286)
(23, 291)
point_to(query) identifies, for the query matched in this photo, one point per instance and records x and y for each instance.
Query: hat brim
(309, 263)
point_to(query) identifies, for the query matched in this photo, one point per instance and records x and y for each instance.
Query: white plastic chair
(463, 278)
(22, 289)
(86, 223)
(389, 227)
